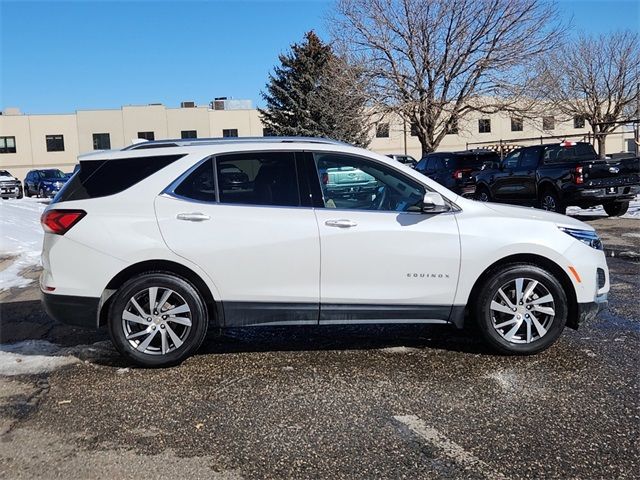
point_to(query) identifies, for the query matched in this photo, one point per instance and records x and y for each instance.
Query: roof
(228, 140)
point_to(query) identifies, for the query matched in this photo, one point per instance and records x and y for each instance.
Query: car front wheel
(551, 202)
(157, 319)
(521, 309)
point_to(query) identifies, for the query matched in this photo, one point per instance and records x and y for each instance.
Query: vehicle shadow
(25, 323)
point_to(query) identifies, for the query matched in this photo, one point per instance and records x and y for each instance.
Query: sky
(59, 57)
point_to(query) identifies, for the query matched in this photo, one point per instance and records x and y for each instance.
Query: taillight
(60, 221)
(578, 178)
(458, 174)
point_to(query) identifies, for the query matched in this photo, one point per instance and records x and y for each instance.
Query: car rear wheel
(41, 193)
(521, 309)
(616, 209)
(157, 320)
(551, 202)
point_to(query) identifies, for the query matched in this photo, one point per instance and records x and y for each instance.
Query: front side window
(199, 184)
(7, 144)
(484, 125)
(258, 178)
(101, 141)
(530, 158)
(355, 183)
(230, 132)
(55, 143)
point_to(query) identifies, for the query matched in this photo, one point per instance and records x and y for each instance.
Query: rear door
(524, 175)
(503, 185)
(251, 227)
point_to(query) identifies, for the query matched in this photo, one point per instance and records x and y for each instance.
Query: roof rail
(189, 142)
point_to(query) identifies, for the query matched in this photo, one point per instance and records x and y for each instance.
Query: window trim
(321, 204)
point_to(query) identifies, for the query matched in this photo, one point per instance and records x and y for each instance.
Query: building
(54, 141)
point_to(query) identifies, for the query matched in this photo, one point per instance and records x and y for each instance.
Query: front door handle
(342, 223)
(193, 217)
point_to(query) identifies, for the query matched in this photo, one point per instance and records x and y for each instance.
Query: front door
(504, 185)
(251, 232)
(381, 261)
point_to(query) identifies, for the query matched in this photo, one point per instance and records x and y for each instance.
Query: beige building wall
(100, 121)
(123, 126)
(179, 119)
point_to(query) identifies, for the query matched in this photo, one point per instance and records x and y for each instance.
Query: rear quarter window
(101, 178)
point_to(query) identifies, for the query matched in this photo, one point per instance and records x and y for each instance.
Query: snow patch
(31, 357)
(400, 350)
(20, 237)
(633, 212)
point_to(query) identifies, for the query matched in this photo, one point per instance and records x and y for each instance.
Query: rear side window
(560, 153)
(101, 178)
(199, 184)
(258, 178)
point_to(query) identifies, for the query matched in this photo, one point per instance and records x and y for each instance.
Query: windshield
(4, 173)
(54, 173)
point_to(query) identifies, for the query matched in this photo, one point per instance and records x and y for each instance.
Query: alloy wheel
(156, 321)
(549, 203)
(522, 310)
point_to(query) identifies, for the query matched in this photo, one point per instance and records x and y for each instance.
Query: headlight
(585, 236)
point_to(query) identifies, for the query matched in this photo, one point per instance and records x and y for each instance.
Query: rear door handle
(193, 217)
(342, 223)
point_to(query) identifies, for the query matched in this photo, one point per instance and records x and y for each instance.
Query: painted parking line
(450, 449)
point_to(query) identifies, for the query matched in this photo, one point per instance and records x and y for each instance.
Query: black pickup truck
(555, 176)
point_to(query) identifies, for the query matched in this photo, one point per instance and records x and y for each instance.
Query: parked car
(405, 159)
(173, 250)
(457, 170)
(44, 183)
(555, 176)
(10, 186)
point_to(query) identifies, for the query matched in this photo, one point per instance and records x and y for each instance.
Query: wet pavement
(332, 402)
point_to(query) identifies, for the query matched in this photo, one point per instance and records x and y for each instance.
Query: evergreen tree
(314, 93)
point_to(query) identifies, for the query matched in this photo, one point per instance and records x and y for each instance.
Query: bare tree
(434, 61)
(596, 79)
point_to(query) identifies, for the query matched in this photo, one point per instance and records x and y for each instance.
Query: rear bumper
(588, 311)
(600, 195)
(72, 310)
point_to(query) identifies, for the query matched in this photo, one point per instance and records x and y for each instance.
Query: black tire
(193, 337)
(616, 209)
(550, 201)
(487, 319)
(26, 192)
(41, 193)
(483, 194)
(20, 194)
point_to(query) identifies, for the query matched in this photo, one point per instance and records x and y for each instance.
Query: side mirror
(434, 203)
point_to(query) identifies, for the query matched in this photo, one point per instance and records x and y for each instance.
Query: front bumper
(588, 311)
(10, 191)
(72, 310)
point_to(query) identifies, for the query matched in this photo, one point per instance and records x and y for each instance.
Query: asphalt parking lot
(365, 402)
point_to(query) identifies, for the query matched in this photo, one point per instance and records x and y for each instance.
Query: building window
(414, 129)
(188, 134)
(484, 125)
(268, 132)
(101, 141)
(578, 121)
(7, 144)
(382, 130)
(230, 132)
(55, 143)
(147, 135)
(516, 124)
(451, 128)
(548, 123)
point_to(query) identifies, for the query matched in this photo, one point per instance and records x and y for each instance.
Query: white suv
(158, 242)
